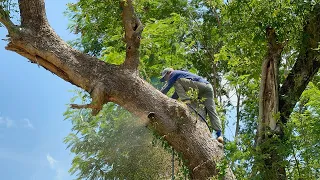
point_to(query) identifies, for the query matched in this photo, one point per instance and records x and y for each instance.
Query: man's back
(177, 74)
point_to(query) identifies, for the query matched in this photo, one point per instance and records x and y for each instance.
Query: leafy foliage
(305, 127)
(222, 41)
(9, 9)
(114, 145)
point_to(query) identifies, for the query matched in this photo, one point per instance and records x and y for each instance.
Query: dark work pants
(205, 92)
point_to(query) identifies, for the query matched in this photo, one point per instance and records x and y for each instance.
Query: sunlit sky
(32, 102)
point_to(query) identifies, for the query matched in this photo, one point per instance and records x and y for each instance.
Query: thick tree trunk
(268, 98)
(36, 40)
(276, 105)
(268, 110)
(306, 66)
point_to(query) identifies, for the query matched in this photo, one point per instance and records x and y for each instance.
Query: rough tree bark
(37, 41)
(269, 87)
(276, 104)
(268, 108)
(305, 67)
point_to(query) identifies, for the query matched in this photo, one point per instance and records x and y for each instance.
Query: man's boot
(219, 137)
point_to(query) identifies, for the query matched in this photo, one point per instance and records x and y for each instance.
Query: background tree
(105, 82)
(286, 28)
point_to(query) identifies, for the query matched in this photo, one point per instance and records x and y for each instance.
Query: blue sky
(32, 103)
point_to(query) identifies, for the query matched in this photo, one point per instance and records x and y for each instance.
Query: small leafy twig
(5, 19)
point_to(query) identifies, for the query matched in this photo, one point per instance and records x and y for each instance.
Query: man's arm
(169, 84)
(165, 88)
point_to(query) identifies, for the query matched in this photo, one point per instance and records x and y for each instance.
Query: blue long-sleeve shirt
(177, 74)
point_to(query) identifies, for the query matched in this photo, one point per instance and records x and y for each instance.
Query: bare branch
(269, 107)
(133, 29)
(39, 60)
(33, 14)
(95, 109)
(82, 106)
(99, 98)
(5, 20)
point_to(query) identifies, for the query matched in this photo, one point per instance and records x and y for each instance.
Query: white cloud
(10, 123)
(51, 161)
(54, 164)
(7, 122)
(28, 123)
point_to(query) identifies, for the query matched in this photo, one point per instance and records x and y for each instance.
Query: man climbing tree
(183, 82)
(241, 50)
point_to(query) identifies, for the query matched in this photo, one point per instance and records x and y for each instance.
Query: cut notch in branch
(38, 60)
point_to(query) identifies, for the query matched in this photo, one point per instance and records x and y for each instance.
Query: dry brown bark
(269, 108)
(269, 87)
(37, 41)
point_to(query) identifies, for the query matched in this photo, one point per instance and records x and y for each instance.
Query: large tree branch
(306, 66)
(37, 41)
(32, 13)
(133, 29)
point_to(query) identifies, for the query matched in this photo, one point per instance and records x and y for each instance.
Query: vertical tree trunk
(275, 108)
(238, 114)
(269, 163)
(214, 81)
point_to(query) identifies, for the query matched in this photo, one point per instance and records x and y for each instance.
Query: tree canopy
(264, 52)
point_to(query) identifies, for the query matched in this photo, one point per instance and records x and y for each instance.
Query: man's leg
(213, 115)
(182, 86)
(207, 94)
(180, 90)
(204, 91)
